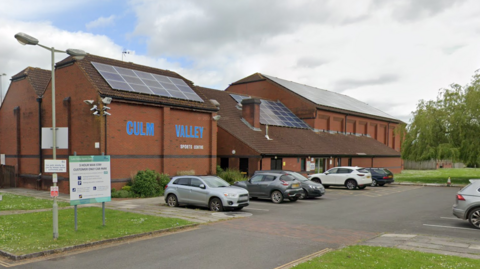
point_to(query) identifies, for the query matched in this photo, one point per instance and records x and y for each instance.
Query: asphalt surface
(277, 234)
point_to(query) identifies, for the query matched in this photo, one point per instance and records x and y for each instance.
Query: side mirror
(326, 173)
(202, 186)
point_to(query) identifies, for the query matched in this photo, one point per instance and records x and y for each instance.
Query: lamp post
(25, 39)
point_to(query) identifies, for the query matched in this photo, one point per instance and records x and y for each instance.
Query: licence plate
(295, 185)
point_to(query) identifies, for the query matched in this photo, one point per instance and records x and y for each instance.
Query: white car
(348, 176)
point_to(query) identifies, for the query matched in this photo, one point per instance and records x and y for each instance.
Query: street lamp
(25, 39)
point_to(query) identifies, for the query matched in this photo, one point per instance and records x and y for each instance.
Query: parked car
(348, 176)
(205, 191)
(275, 186)
(467, 203)
(380, 176)
(310, 189)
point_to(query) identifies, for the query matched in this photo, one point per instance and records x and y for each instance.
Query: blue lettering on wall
(137, 128)
(189, 131)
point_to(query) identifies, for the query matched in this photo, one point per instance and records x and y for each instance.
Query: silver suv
(205, 191)
(467, 203)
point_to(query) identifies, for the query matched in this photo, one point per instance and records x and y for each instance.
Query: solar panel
(275, 113)
(130, 80)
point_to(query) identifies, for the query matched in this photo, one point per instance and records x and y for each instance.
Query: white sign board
(89, 179)
(55, 166)
(62, 138)
(2, 159)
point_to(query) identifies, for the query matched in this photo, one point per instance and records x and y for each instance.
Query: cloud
(101, 22)
(310, 62)
(348, 83)
(411, 10)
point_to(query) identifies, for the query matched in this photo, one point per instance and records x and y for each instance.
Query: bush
(163, 180)
(145, 184)
(127, 188)
(231, 175)
(122, 194)
(219, 169)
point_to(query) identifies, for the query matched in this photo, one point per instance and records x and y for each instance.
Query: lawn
(19, 202)
(32, 232)
(380, 257)
(457, 175)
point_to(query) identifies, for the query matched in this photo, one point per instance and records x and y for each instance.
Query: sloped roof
(292, 141)
(38, 78)
(105, 90)
(321, 97)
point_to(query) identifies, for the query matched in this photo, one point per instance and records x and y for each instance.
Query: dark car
(381, 176)
(274, 186)
(310, 189)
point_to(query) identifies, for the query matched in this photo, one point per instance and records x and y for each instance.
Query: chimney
(251, 111)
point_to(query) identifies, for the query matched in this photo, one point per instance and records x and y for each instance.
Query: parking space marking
(373, 192)
(449, 227)
(259, 209)
(449, 218)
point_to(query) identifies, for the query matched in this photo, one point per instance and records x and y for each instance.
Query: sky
(389, 54)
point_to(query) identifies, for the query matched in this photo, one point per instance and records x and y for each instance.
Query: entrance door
(224, 163)
(276, 164)
(244, 166)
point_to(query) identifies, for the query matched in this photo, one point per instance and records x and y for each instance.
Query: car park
(467, 203)
(205, 191)
(351, 177)
(310, 189)
(380, 176)
(273, 185)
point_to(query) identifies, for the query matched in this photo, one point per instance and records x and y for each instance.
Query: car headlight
(231, 195)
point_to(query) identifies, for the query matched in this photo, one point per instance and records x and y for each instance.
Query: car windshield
(298, 176)
(215, 182)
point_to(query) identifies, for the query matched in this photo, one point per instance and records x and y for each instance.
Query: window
(302, 164)
(195, 182)
(268, 178)
(287, 178)
(224, 163)
(256, 179)
(182, 181)
(344, 171)
(333, 171)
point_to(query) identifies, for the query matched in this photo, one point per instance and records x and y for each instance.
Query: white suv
(348, 176)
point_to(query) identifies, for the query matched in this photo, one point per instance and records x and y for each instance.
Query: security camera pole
(25, 39)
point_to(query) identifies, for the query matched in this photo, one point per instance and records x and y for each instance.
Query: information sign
(54, 191)
(55, 166)
(89, 179)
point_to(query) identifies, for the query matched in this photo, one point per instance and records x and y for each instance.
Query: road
(277, 234)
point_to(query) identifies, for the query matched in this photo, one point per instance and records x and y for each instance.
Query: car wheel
(172, 200)
(304, 194)
(277, 197)
(317, 180)
(381, 184)
(293, 199)
(374, 183)
(351, 184)
(361, 187)
(474, 217)
(215, 205)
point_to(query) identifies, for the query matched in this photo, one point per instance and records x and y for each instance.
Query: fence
(431, 165)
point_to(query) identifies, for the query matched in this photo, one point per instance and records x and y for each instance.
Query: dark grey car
(310, 189)
(467, 203)
(275, 186)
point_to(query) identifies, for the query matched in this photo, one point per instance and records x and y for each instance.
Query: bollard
(449, 182)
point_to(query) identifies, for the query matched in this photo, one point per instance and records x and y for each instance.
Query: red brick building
(246, 143)
(160, 122)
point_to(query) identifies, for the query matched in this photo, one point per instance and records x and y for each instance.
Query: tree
(447, 128)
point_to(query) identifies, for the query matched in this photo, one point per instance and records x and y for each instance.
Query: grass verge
(457, 175)
(32, 232)
(382, 257)
(20, 202)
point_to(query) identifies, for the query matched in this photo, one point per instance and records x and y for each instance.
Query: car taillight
(166, 186)
(284, 183)
(360, 175)
(385, 177)
(460, 197)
